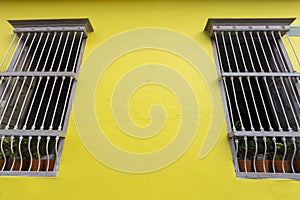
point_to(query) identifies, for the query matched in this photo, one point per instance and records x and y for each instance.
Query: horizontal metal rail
(29, 173)
(38, 74)
(260, 74)
(17, 132)
(264, 133)
(267, 175)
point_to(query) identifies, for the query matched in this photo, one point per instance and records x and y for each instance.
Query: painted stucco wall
(136, 39)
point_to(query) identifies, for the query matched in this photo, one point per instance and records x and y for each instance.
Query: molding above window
(248, 24)
(34, 25)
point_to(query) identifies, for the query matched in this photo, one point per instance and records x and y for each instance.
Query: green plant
(242, 148)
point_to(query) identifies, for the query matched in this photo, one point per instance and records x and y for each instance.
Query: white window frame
(35, 40)
(236, 43)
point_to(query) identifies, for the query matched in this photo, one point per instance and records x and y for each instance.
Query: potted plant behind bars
(263, 158)
(244, 161)
(280, 149)
(296, 162)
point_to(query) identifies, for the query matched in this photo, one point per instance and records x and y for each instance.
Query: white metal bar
(47, 152)
(44, 87)
(293, 48)
(265, 153)
(8, 101)
(257, 83)
(218, 52)
(259, 74)
(284, 154)
(8, 50)
(275, 151)
(37, 88)
(63, 52)
(255, 153)
(264, 133)
(20, 152)
(226, 53)
(294, 154)
(38, 152)
(265, 81)
(246, 152)
(284, 88)
(70, 52)
(3, 152)
(12, 152)
(30, 153)
(31, 81)
(240, 79)
(295, 111)
(17, 48)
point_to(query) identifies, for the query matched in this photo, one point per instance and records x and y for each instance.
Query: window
(260, 92)
(36, 92)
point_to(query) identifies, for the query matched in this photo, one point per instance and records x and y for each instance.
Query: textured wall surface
(147, 120)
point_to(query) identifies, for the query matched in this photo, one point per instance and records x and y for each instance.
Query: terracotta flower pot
(17, 164)
(278, 166)
(51, 164)
(297, 166)
(1, 164)
(242, 165)
(260, 167)
(35, 165)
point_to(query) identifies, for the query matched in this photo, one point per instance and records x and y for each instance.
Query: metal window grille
(36, 92)
(260, 92)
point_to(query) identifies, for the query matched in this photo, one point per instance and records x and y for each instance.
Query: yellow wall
(81, 175)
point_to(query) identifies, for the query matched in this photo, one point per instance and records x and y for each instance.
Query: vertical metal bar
(22, 50)
(46, 85)
(38, 152)
(70, 95)
(31, 81)
(70, 83)
(255, 153)
(8, 50)
(284, 88)
(274, 155)
(248, 80)
(70, 52)
(289, 80)
(37, 88)
(80, 50)
(293, 48)
(20, 152)
(63, 52)
(3, 152)
(8, 100)
(23, 82)
(236, 153)
(232, 83)
(240, 80)
(264, 78)
(47, 152)
(29, 151)
(218, 52)
(272, 78)
(246, 152)
(56, 150)
(229, 104)
(229, 117)
(265, 153)
(12, 152)
(17, 48)
(55, 79)
(226, 53)
(284, 154)
(294, 154)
